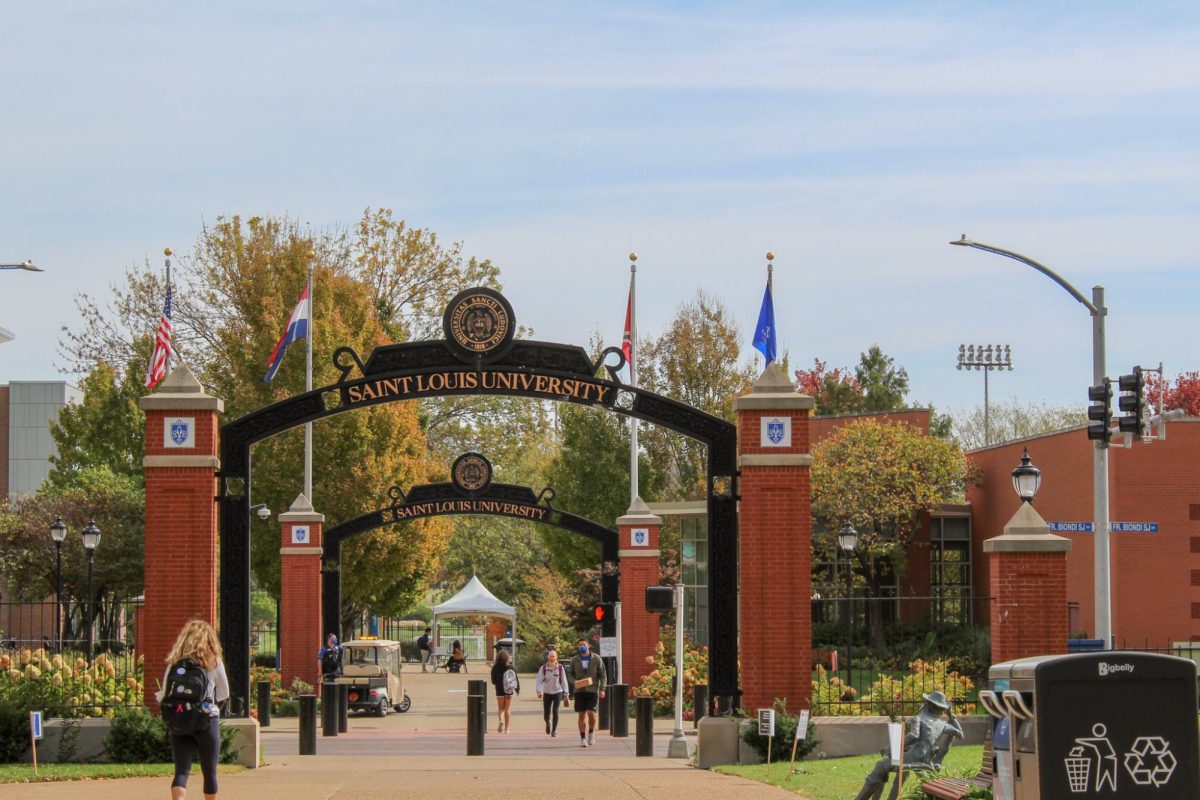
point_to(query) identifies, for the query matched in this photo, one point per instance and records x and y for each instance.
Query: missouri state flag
(764, 332)
(297, 329)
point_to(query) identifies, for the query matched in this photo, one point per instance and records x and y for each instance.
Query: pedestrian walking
(426, 651)
(552, 688)
(504, 678)
(330, 658)
(587, 677)
(193, 686)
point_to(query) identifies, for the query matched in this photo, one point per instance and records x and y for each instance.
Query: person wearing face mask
(586, 674)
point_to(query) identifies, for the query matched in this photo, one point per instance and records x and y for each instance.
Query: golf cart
(371, 667)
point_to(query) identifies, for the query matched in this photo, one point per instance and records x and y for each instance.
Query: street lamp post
(1100, 457)
(847, 542)
(58, 532)
(26, 265)
(91, 539)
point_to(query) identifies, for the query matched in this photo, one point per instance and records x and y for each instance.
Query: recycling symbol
(1150, 761)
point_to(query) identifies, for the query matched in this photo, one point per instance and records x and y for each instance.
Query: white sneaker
(583, 742)
(591, 740)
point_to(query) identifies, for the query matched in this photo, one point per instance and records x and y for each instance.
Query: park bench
(957, 788)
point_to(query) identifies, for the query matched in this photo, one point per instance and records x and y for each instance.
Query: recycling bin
(1099, 725)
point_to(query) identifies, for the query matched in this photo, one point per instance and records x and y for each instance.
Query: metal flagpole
(633, 423)
(308, 381)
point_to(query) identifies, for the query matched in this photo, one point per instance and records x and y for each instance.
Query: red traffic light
(602, 611)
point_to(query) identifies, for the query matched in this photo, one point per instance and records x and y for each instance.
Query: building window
(693, 558)
(950, 573)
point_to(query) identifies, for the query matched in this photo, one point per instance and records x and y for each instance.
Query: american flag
(161, 357)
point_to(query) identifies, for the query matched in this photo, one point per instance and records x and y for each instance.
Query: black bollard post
(329, 709)
(602, 715)
(619, 693)
(476, 716)
(308, 724)
(645, 726)
(699, 703)
(343, 707)
(264, 704)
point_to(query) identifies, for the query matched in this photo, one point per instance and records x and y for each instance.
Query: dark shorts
(585, 701)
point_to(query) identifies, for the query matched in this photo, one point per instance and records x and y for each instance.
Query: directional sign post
(35, 733)
(801, 735)
(766, 727)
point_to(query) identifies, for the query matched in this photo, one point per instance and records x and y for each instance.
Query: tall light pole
(847, 543)
(1096, 308)
(26, 265)
(91, 539)
(58, 532)
(986, 359)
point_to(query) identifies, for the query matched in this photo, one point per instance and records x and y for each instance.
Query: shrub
(137, 736)
(17, 699)
(835, 696)
(785, 732)
(895, 697)
(657, 683)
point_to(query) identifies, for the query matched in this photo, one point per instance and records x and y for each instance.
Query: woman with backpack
(553, 688)
(193, 685)
(504, 678)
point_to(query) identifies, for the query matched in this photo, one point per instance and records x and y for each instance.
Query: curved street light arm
(1049, 273)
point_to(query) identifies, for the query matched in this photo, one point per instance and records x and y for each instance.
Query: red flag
(157, 369)
(627, 338)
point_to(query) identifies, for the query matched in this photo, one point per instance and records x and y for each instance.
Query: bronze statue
(926, 739)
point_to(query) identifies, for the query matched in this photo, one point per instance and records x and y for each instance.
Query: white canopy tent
(475, 599)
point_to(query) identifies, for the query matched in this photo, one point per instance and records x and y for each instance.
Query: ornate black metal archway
(479, 356)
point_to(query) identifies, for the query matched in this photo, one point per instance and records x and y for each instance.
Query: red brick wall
(820, 428)
(300, 634)
(775, 560)
(1152, 590)
(181, 543)
(3, 443)
(1029, 615)
(639, 628)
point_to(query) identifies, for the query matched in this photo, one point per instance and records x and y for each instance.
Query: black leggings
(550, 708)
(208, 742)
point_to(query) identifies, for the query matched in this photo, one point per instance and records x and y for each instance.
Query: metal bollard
(329, 709)
(476, 716)
(645, 727)
(343, 707)
(264, 704)
(602, 709)
(308, 724)
(619, 694)
(699, 703)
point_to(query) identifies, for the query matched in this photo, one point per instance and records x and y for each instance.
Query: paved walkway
(423, 753)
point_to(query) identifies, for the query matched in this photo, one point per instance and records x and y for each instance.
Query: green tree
(880, 476)
(106, 429)
(1012, 419)
(884, 384)
(835, 391)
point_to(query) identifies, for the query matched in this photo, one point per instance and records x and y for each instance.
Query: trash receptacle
(1100, 725)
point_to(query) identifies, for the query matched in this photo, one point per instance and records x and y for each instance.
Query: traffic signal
(1100, 411)
(606, 615)
(660, 599)
(1132, 387)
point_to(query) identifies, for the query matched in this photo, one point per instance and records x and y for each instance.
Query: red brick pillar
(639, 553)
(774, 543)
(181, 516)
(300, 634)
(1027, 566)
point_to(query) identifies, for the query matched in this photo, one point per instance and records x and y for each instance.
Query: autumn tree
(836, 391)
(1182, 393)
(1012, 419)
(877, 384)
(880, 476)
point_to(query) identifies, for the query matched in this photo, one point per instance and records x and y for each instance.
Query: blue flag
(764, 332)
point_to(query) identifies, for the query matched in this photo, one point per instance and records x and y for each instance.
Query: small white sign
(776, 432)
(608, 647)
(179, 432)
(895, 740)
(766, 722)
(639, 537)
(300, 534)
(802, 726)
(35, 724)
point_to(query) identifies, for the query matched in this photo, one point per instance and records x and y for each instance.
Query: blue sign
(1115, 527)
(35, 724)
(1070, 527)
(775, 432)
(1135, 527)
(179, 432)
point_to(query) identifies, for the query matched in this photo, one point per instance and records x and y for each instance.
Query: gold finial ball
(633, 256)
(167, 251)
(311, 254)
(770, 256)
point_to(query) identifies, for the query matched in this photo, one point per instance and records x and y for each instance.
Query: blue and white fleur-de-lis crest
(775, 431)
(301, 534)
(639, 537)
(179, 432)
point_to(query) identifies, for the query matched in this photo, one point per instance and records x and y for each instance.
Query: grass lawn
(840, 778)
(23, 773)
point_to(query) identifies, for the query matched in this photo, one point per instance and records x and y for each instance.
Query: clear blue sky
(554, 138)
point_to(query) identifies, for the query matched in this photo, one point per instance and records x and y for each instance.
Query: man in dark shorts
(586, 674)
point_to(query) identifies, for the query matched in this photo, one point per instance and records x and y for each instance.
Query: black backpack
(332, 661)
(184, 697)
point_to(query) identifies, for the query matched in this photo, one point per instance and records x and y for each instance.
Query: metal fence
(43, 651)
(879, 655)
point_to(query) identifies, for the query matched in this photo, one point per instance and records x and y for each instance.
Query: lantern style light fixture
(91, 536)
(91, 540)
(58, 532)
(847, 538)
(1027, 479)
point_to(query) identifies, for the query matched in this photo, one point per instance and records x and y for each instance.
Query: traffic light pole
(1100, 526)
